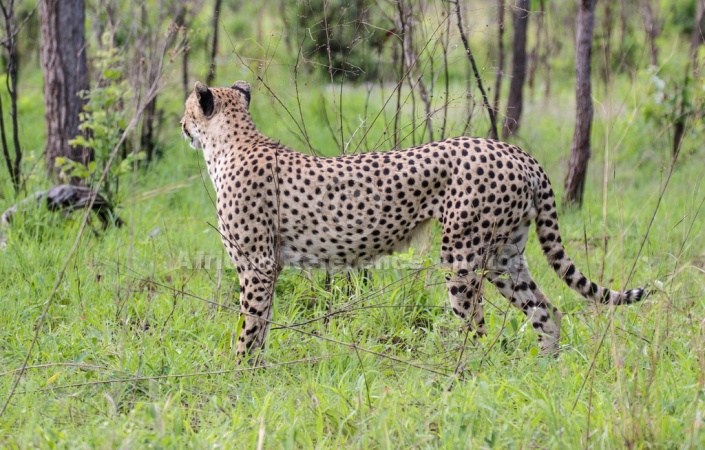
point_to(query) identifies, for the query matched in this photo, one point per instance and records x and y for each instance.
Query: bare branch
(471, 58)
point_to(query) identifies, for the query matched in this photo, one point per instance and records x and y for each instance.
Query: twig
(294, 327)
(412, 60)
(501, 8)
(631, 272)
(396, 88)
(486, 102)
(153, 90)
(298, 100)
(184, 375)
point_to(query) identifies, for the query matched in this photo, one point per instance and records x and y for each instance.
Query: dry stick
(349, 306)
(372, 352)
(631, 272)
(485, 101)
(500, 45)
(314, 335)
(63, 364)
(412, 62)
(396, 88)
(185, 375)
(10, 44)
(214, 48)
(293, 327)
(264, 83)
(329, 126)
(364, 374)
(153, 90)
(341, 310)
(330, 72)
(397, 116)
(365, 112)
(298, 98)
(346, 145)
(6, 152)
(414, 128)
(277, 258)
(397, 113)
(476, 303)
(282, 326)
(446, 102)
(380, 140)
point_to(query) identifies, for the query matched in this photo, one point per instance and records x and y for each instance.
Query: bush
(104, 119)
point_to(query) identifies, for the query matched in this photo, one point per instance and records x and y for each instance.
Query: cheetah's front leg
(256, 299)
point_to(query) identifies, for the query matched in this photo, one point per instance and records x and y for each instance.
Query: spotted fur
(280, 207)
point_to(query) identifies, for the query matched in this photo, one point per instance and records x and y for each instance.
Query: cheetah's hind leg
(510, 274)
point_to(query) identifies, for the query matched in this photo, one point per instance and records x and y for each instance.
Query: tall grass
(138, 348)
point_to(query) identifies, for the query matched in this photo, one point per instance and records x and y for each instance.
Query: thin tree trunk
(698, 36)
(64, 64)
(535, 54)
(549, 48)
(214, 48)
(580, 149)
(414, 76)
(10, 44)
(152, 115)
(184, 71)
(607, 25)
(653, 29)
(147, 39)
(182, 23)
(500, 62)
(516, 86)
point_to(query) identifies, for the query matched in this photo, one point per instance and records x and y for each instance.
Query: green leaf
(111, 74)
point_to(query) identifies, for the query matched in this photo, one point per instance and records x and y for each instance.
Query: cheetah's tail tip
(634, 295)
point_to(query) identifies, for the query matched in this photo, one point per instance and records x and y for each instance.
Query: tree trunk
(516, 86)
(580, 149)
(214, 49)
(64, 64)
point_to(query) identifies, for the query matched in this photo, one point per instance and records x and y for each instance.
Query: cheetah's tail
(552, 246)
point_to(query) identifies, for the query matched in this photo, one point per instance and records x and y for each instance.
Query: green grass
(132, 352)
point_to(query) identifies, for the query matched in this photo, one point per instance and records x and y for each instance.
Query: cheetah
(279, 207)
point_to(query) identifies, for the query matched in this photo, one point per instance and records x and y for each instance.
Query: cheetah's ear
(205, 98)
(244, 88)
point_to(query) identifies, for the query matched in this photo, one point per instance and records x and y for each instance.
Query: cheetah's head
(205, 105)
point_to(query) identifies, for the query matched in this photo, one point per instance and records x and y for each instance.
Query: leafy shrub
(677, 103)
(103, 121)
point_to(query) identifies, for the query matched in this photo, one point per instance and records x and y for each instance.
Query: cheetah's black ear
(205, 98)
(244, 88)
